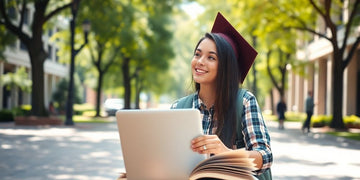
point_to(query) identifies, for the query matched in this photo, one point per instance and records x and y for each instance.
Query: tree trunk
(338, 78)
(127, 82)
(138, 91)
(272, 102)
(254, 70)
(137, 100)
(37, 73)
(98, 93)
(255, 80)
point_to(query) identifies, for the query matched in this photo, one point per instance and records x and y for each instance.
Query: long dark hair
(227, 85)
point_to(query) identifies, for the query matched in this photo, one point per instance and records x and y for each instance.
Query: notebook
(156, 143)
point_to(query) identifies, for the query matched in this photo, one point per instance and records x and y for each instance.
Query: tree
(60, 94)
(6, 38)
(14, 81)
(33, 40)
(277, 44)
(128, 40)
(147, 46)
(104, 47)
(284, 59)
(327, 10)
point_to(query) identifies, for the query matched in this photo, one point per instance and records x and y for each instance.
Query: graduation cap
(244, 52)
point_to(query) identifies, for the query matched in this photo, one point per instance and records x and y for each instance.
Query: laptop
(156, 143)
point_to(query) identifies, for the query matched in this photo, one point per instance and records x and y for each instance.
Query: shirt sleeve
(255, 132)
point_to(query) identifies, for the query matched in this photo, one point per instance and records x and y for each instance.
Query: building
(17, 56)
(319, 75)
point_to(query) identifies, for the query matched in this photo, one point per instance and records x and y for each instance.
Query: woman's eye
(212, 58)
(197, 54)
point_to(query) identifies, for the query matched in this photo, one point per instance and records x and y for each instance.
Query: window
(26, 16)
(50, 52)
(23, 46)
(50, 33)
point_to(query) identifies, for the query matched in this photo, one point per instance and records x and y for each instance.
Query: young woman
(220, 63)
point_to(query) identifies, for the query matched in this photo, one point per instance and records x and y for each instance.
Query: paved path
(92, 151)
(315, 156)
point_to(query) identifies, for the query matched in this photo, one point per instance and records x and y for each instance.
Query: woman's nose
(201, 60)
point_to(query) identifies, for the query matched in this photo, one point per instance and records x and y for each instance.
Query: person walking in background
(309, 108)
(281, 109)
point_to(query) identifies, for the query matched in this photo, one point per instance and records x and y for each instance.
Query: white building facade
(16, 56)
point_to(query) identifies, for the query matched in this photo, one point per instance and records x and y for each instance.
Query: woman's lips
(200, 71)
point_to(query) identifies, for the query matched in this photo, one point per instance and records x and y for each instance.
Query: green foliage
(270, 117)
(91, 113)
(9, 115)
(6, 38)
(82, 109)
(184, 41)
(6, 115)
(324, 120)
(19, 79)
(352, 121)
(295, 116)
(316, 120)
(23, 110)
(88, 119)
(59, 96)
(320, 120)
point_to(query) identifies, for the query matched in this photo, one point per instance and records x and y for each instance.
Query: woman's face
(204, 64)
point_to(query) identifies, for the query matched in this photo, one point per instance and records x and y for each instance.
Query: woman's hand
(208, 144)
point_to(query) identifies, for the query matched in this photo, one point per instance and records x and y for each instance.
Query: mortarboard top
(244, 52)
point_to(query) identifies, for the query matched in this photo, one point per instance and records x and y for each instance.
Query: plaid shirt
(256, 136)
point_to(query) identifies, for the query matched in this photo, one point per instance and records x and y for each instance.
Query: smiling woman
(231, 116)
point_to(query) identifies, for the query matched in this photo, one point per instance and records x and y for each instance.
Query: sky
(193, 9)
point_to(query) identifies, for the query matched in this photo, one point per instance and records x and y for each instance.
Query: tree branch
(268, 54)
(311, 31)
(3, 10)
(351, 52)
(327, 7)
(303, 26)
(317, 8)
(54, 12)
(22, 14)
(92, 55)
(136, 73)
(327, 20)
(349, 23)
(10, 26)
(112, 59)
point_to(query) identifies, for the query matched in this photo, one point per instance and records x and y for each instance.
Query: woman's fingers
(208, 144)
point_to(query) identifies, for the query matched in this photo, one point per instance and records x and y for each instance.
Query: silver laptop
(156, 143)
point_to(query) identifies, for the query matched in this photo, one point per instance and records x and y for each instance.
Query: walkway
(92, 151)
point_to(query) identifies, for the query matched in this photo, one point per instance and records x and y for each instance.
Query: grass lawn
(299, 117)
(89, 119)
(350, 135)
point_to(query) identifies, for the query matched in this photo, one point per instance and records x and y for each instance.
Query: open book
(234, 165)
(230, 165)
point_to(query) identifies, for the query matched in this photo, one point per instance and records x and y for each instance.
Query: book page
(229, 165)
